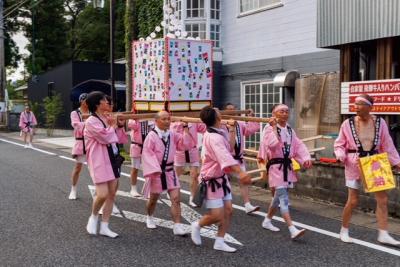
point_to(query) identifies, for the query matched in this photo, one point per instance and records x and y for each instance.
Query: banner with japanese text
(386, 94)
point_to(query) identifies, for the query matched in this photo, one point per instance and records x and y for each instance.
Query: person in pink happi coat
(361, 136)
(218, 161)
(159, 149)
(102, 133)
(139, 131)
(27, 121)
(240, 131)
(190, 157)
(281, 144)
(78, 150)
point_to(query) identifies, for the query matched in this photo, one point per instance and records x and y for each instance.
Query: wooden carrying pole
(240, 118)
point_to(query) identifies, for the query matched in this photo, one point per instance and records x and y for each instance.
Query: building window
(253, 5)
(363, 60)
(195, 9)
(196, 30)
(214, 9)
(260, 97)
(215, 33)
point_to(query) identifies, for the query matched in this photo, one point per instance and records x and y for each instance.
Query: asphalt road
(39, 226)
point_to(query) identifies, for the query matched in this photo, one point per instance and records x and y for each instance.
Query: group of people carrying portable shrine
(162, 150)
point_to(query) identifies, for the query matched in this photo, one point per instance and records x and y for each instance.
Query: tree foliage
(150, 14)
(53, 108)
(11, 26)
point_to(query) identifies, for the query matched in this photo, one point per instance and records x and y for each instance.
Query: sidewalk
(258, 194)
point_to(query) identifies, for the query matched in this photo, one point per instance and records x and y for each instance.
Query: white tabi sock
(344, 235)
(91, 226)
(267, 224)
(72, 194)
(295, 233)
(385, 238)
(105, 230)
(195, 234)
(221, 245)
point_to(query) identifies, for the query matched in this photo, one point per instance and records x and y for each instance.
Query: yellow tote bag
(376, 173)
(296, 166)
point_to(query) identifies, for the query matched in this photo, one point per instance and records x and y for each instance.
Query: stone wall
(326, 182)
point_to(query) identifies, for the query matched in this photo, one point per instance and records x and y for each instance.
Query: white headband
(280, 107)
(362, 99)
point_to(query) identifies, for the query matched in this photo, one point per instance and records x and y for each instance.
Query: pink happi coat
(217, 161)
(27, 118)
(152, 156)
(194, 130)
(272, 146)
(136, 137)
(96, 139)
(78, 124)
(263, 154)
(345, 142)
(246, 129)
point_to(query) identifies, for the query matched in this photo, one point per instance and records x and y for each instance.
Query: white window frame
(256, 10)
(260, 83)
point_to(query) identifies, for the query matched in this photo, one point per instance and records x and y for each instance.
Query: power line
(7, 13)
(20, 4)
(11, 7)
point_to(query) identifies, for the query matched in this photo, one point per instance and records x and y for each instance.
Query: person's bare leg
(74, 179)
(107, 210)
(98, 201)
(150, 208)
(352, 202)
(134, 174)
(175, 205)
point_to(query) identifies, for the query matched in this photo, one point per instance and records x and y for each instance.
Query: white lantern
(172, 17)
(171, 28)
(163, 24)
(169, 10)
(165, 7)
(141, 39)
(179, 27)
(184, 34)
(153, 35)
(178, 33)
(173, 4)
(158, 28)
(148, 38)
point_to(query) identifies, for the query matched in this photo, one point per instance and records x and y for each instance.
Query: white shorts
(218, 203)
(187, 164)
(136, 163)
(80, 159)
(354, 184)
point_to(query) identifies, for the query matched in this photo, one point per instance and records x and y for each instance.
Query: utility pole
(2, 56)
(112, 76)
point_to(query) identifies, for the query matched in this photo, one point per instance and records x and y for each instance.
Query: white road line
(263, 214)
(33, 148)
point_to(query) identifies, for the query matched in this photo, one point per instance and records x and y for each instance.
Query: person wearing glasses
(360, 136)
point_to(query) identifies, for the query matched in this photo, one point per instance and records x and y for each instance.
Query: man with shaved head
(159, 149)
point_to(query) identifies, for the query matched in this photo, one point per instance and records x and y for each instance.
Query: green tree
(53, 109)
(11, 26)
(47, 33)
(92, 33)
(130, 35)
(150, 14)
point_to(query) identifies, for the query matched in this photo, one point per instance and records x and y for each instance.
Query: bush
(53, 109)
